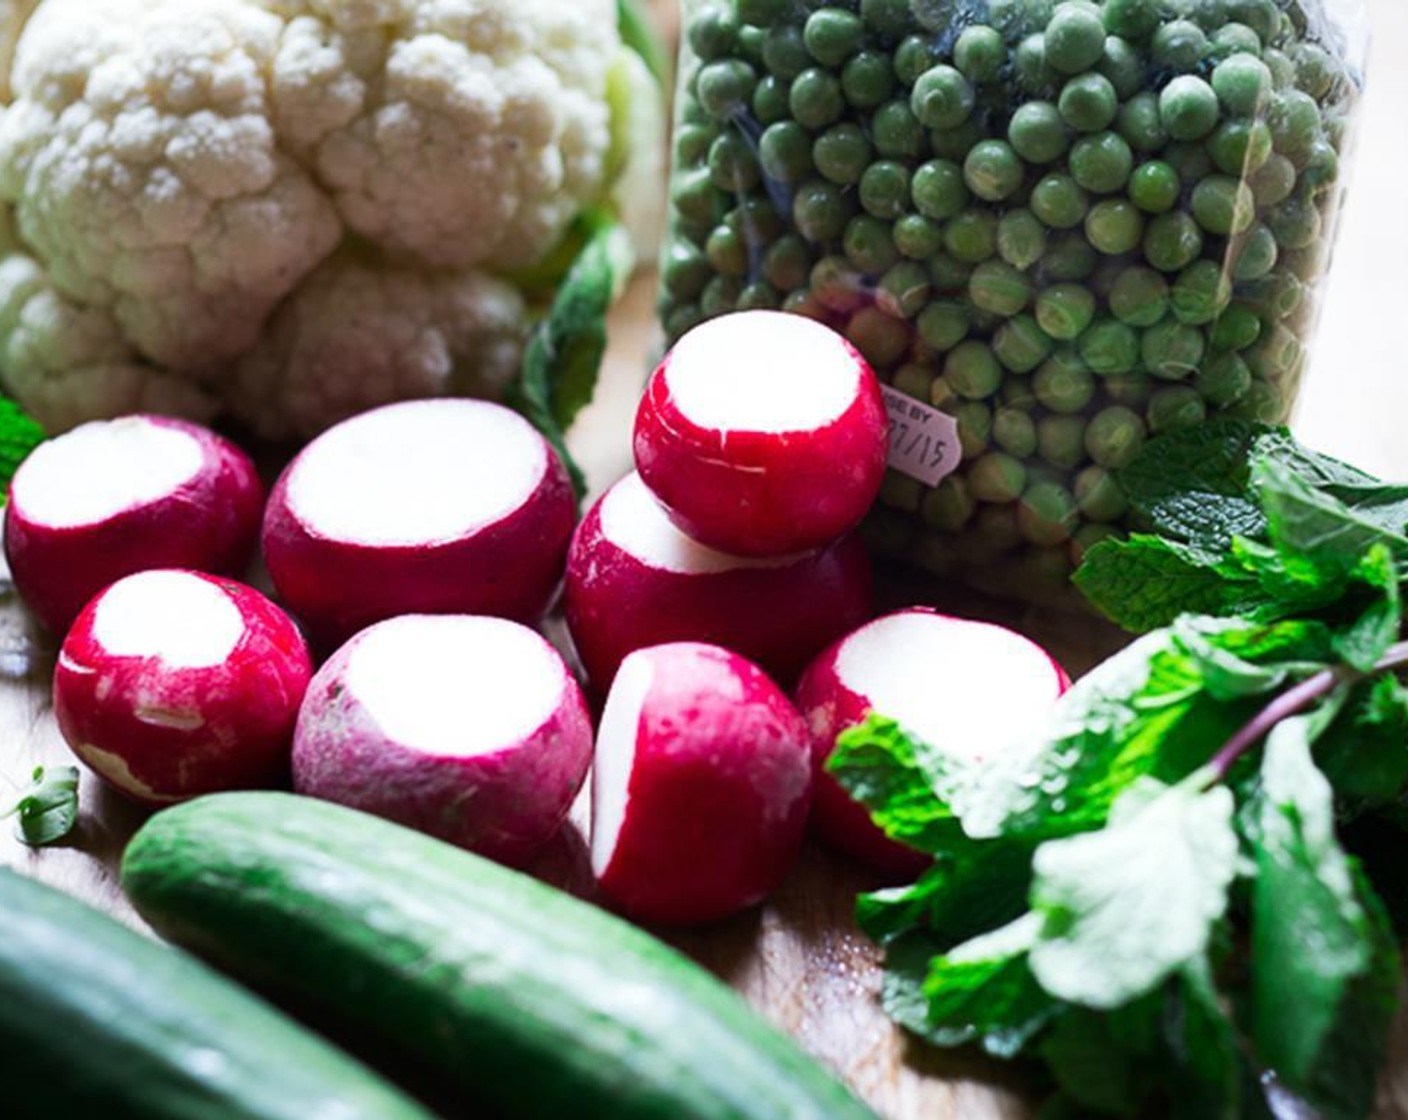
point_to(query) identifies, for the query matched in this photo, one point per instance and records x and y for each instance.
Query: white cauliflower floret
(286, 209)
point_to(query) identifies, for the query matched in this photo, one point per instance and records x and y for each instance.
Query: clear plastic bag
(1054, 227)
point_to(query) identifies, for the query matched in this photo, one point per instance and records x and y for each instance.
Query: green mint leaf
(47, 811)
(984, 991)
(1369, 635)
(1364, 752)
(1125, 907)
(19, 435)
(902, 780)
(1324, 962)
(1093, 1064)
(1203, 1049)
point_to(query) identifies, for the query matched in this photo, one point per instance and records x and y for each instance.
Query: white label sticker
(923, 440)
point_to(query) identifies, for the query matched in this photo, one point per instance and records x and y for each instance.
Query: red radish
(970, 689)
(175, 683)
(439, 506)
(763, 433)
(701, 785)
(466, 727)
(114, 497)
(634, 580)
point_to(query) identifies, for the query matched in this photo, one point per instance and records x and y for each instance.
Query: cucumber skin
(97, 1020)
(525, 997)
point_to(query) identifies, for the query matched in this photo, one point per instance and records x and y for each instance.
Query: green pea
(942, 97)
(785, 152)
(1171, 350)
(1060, 440)
(1021, 238)
(972, 370)
(1277, 295)
(1174, 408)
(1238, 328)
(993, 170)
(869, 244)
(1232, 39)
(1140, 124)
(1075, 39)
(816, 99)
(1179, 45)
(1275, 354)
(1123, 67)
(732, 165)
(1059, 201)
(1014, 431)
(804, 302)
(884, 189)
(1016, 392)
(1114, 227)
(756, 219)
(1114, 436)
(770, 100)
(1294, 119)
(759, 296)
(955, 143)
(725, 88)
(1130, 389)
(1101, 163)
(692, 143)
(868, 80)
(1065, 310)
(685, 270)
(914, 55)
(903, 290)
(918, 237)
(1240, 147)
(1274, 182)
(1263, 403)
(720, 296)
(980, 53)
(1316, 69)
(1172, 241)
(713, 33)
(842, 153)
(1242, 83)
(786, 262)
(1037, 133)
(1034, 73)
(1256, 255)
(832, 35)
(943, 324)
(1139, 296)
(948, 506)
(1110, 347)
(696, 199)
(1047, 514)
(680, 320)
(1132, 19)
(949, 274)
(896, 131)
(1283, 70)
(1020, 344)
(727, 252)
(1321, 166)
(887, 17)
(750, 45)
(997, 477)
(999, 288)
(762, 13)
(820, 211)
(1296, 224)
(1017, 17)
(1154, 187)
(1064, 386)
(1098, 496)
(1188, 108)
(1224, 205)
(1088, 103)
(784, 51)
(837, 285)
(1201, 293)
(938, 190)
(914, 380)
(971, 236)
(1223, 379)
(1069, 257)
(881, 339)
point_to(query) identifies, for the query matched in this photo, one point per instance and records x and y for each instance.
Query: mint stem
(1294, 701)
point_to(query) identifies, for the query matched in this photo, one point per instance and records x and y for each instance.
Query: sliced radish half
(973, 690)
(700, 787)
(440, 506)
(113, 497)
(175, 683)
(466, 727)
(635, 580)
(763, 433)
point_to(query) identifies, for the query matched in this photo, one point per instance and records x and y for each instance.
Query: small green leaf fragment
(48, 809)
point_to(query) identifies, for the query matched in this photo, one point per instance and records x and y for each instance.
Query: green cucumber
(97, 1020)
(523, 996)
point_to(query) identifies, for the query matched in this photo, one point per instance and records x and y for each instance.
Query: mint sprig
(48, 809)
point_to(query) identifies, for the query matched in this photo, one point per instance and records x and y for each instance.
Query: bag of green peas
(1054, 227)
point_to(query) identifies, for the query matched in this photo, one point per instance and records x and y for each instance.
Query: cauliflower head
(287, 210)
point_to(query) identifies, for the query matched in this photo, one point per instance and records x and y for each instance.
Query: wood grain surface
(800, 959)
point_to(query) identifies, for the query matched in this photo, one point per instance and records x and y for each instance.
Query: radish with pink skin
(113, 497)
(174, 683)
(634, 580)
(467, 727)
(763, 433)
(970, 689)
(700, 787)
(441, 506)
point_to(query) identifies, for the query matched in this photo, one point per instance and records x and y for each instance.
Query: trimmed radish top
(142, 462)
(187, 621)
(949, 681)
(615, 753)
(765, 371)
(632, 519)
(416, 472)
(457, 685)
